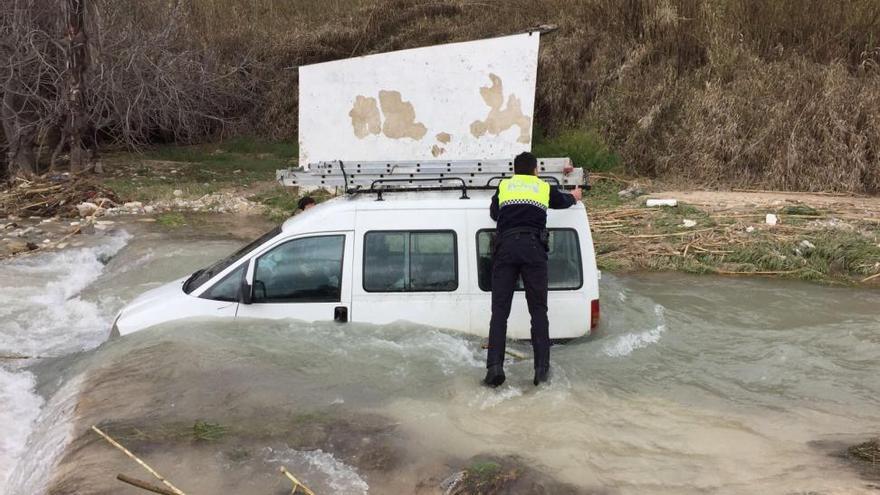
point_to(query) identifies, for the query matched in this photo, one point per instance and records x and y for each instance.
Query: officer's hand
(577, 193)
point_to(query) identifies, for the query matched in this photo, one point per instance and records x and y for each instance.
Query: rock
(807, 244)
(15, 247)
(105, 222)
(632, 191)
(101, 226)
(450, 484)
(686, 223)
(750, 229)
(133, 205)
(149, 209)
(771, 219)
(177, 193)
(86, 209)
(61, 245)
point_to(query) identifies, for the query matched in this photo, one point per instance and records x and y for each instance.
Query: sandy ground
(865, 207)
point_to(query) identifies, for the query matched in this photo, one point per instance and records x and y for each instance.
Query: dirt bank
(820, 237)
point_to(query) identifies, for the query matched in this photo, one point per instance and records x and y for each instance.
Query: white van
(422, 257)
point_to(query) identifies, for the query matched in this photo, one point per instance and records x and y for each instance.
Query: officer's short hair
(525, 163)
(304, 202)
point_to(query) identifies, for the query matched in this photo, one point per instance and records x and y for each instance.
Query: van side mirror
(244, 292)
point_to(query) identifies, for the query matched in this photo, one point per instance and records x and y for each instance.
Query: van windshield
(199, 277)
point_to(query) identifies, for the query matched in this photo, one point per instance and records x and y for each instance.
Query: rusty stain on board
(400, 117)
(437, 151)
(444, 137)
(501, 119)
(365, 118)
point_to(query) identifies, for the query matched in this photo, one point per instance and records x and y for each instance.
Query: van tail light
(594, 313)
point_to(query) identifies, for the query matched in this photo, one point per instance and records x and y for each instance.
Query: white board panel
(472, 100)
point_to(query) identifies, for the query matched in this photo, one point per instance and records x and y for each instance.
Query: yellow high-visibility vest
(524, 190)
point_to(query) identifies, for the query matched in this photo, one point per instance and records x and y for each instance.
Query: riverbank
(810, 236)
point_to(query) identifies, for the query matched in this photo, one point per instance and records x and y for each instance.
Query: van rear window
(410, 261)
(564, 266)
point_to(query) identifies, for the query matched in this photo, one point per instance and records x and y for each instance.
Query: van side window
(226, 289)
(417, 261)
(302, 270)
(564, 267)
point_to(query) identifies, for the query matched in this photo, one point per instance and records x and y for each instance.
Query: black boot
(542, 374)
(494, 376)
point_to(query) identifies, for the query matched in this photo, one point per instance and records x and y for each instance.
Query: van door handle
(340, 314)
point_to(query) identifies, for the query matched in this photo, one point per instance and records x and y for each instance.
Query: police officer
(521, 244)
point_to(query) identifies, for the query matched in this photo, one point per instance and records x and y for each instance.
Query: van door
(410, 266)
(305, 278)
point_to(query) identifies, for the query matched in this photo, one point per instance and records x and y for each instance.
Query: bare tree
(139, 76)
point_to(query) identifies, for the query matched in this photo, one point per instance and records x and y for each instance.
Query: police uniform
(520, 250)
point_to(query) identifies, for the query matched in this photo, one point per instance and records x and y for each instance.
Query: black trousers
(519, 255)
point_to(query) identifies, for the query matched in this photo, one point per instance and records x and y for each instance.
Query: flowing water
(691, 385)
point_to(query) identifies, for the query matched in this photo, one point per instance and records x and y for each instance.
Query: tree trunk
(20, 138)
(77, 62)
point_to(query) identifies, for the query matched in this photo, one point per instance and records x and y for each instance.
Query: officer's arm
(493, 208)
(560, 200)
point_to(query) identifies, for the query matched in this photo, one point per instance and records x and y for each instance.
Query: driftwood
(297, 484)
(143, 485)
(174, 489)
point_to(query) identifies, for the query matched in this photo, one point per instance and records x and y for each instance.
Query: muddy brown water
(691, 385)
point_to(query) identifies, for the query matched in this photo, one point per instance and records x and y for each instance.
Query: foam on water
(319, 470)
(19, 408)
(624, 345)
(43, 315)
(48, 286)
(49, 435)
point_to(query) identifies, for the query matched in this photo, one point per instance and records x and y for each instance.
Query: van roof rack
(426, 175)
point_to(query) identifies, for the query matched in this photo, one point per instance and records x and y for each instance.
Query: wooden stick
(296, 482)
(652, 236)
(872, 277)
(143, 485)
(143, 464)
(723, 272)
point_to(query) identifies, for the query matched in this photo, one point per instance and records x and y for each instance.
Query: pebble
(177, 193)
(807, 244)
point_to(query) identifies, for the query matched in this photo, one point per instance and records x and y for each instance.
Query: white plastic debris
(687, 223)
(771, 219)
(661, 202)
(750, 229)
(807, 244)
(86, 209)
